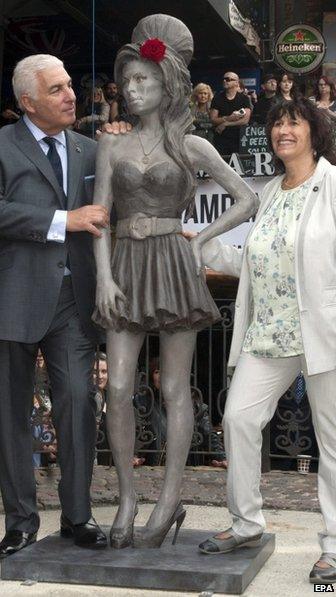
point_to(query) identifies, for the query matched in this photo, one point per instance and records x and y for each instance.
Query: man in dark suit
(47, 287)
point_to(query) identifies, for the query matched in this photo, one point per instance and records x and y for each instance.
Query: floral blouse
(275, 327)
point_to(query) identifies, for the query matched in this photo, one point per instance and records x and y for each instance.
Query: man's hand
(236, 115)
(116, 128)
(220, 128)
(89, 218)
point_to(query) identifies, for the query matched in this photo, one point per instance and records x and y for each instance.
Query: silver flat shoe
(324, 575)
(214, 546)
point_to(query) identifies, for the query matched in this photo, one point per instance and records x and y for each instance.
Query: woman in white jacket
(285, 322)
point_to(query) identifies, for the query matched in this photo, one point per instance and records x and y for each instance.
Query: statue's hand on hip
(196, 247)
(108, 297)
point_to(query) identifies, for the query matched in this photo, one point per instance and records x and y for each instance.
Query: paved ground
(284, 574)
(292, 514)
(202, 486)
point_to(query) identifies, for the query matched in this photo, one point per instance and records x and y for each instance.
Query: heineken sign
(300, 49)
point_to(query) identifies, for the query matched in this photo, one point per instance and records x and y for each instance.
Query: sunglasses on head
(229, 79)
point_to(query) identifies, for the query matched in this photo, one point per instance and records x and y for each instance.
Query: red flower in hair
(153, 49)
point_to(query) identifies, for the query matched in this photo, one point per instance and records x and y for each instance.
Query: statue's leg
(176, 353)
(122, 356)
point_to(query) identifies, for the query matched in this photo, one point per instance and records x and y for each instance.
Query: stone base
(179, 567)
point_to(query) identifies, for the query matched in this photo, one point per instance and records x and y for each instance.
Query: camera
(242, 111)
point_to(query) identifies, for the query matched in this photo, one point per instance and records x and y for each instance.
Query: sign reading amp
(300, 49)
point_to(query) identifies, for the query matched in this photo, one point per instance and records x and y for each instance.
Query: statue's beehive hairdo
(170, 30)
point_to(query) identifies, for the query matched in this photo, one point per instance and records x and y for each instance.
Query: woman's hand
(196, 247)
(108, 295)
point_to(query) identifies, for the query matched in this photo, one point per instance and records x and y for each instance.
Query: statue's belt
(139, 226)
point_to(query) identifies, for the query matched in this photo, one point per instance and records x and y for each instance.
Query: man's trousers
(69, 356)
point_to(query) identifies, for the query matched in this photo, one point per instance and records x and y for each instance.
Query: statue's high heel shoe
(123, 537)
(154, 537)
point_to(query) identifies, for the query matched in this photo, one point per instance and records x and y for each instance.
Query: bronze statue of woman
(153, 280)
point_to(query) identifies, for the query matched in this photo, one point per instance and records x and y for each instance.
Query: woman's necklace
(287, 186)
(145, 159)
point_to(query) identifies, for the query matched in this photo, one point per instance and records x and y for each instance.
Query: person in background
(152, 403)
(43, 430)
(250, 94)
(110, 91)
(200, 108)
(119, 111)
(117, 104)
(287, 273)
(100, 379)
(9, 112)
(230, 110)
(287, 89)
(266, 99)
(325, 97)
(96, 113)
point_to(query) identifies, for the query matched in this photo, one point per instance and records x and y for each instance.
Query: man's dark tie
(54, 159)
(56, 164)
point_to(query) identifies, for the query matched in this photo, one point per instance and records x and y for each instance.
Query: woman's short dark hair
(321, 131)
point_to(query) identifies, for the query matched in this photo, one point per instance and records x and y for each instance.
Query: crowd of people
(217, 116)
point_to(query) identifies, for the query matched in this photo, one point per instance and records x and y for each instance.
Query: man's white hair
(24, 79)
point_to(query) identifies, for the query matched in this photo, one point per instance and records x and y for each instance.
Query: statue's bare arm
(204, 156)
(107, 293)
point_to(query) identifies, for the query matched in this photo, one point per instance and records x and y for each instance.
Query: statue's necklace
(145, 159)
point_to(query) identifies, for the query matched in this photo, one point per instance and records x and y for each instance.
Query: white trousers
(257, 385)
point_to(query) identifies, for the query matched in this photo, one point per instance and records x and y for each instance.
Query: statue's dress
(157, 274)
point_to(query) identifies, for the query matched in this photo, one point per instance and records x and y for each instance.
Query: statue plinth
(179, 567)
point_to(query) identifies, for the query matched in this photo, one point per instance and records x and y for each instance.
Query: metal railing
(290, 432)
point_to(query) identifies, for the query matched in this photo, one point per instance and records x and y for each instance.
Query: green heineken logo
(300, 49)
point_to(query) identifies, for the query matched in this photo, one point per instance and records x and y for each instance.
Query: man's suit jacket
(32, 268)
